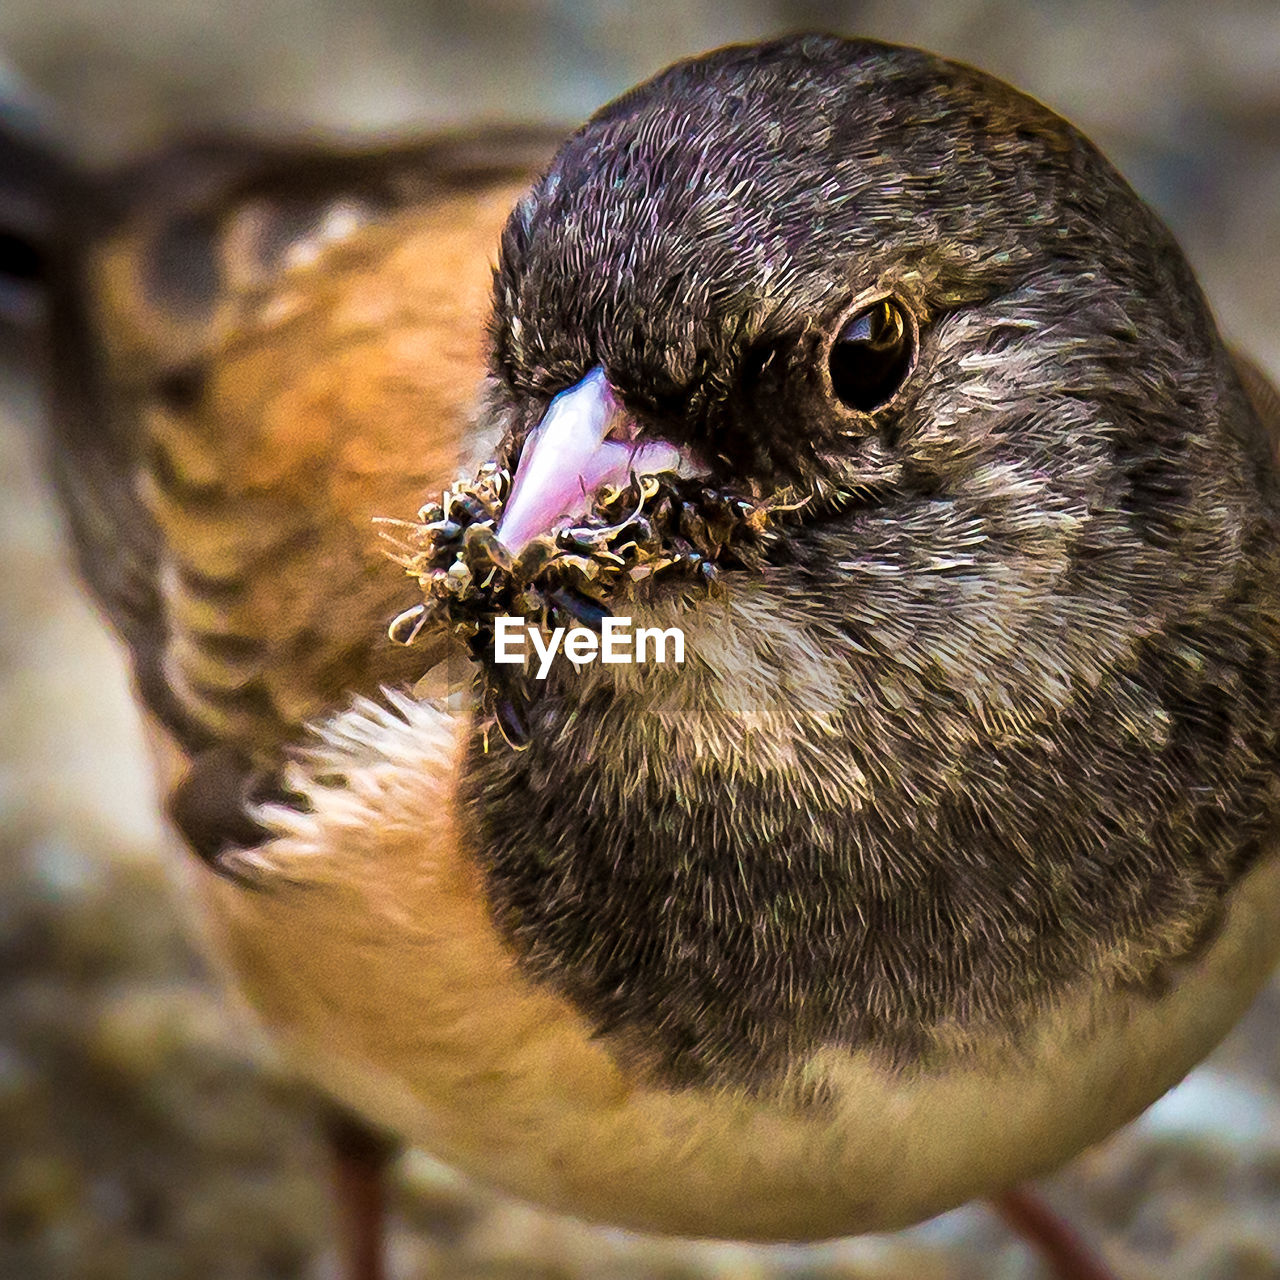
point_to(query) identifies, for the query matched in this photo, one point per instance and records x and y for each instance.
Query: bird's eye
(872, 355)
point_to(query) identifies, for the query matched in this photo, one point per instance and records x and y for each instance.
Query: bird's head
(920, 765)
(918, 303)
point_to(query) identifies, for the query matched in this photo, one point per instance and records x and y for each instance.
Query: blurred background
(142, 1132)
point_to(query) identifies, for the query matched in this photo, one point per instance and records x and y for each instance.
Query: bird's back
(257, 354)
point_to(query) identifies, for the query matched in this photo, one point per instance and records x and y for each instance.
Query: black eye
(872, 355)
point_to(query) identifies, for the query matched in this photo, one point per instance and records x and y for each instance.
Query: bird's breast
(370, 946)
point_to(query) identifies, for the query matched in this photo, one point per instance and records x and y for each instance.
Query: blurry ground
(141, 1134)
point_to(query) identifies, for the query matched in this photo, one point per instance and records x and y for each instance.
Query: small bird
(949, 847)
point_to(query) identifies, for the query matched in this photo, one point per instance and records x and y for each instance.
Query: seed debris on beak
(577, 532)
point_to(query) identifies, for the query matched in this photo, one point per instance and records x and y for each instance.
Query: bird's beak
(586, 440)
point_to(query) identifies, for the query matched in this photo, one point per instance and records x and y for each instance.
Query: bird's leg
(1027, 1215)
(360, 1159)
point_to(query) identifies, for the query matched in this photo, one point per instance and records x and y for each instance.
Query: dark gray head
(1003, 706)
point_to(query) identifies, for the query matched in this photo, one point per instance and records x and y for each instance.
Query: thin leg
(360, 1159)
(1027, 1215)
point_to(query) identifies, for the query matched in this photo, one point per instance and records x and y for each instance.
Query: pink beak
(584, 442)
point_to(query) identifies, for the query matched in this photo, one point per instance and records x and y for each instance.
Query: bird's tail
(35, 193)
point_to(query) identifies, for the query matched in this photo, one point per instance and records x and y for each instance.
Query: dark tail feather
(33, 186)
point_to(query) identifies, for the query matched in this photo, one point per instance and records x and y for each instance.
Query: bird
(949, 847)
